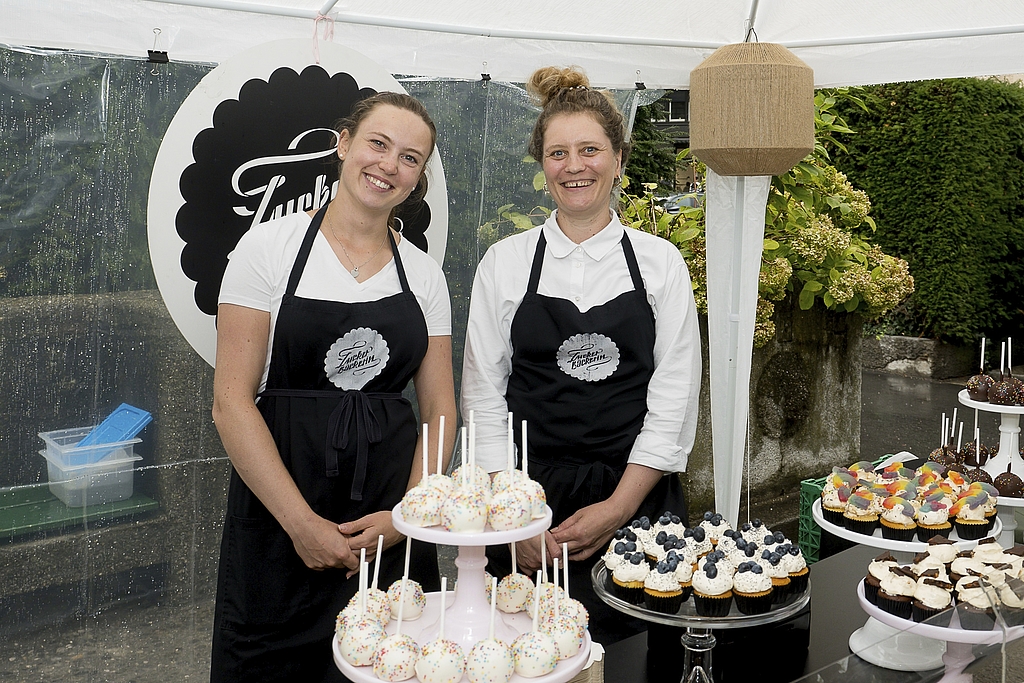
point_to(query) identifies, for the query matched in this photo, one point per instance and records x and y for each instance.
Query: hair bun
(548, 81)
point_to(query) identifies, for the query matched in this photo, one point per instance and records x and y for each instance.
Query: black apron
(334, 406)
(580, 381)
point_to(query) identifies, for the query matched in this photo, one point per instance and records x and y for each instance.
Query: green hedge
(943, 163)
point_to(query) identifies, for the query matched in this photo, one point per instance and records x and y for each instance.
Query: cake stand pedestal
(890, 644)
(1009, 454)
(698, 640)
(883, 641)
(468, 612)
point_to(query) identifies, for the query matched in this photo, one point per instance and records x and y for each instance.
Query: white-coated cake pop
(505, 478)
(421, 506)
(515, 590)
(415, 601)
(510, 509)
(395, 658)
(571, 607)
(362, 633)
(439, 480)
(538, 498)
(490, 660)
(534, 653)
(567, 634)
(441, 661)
(465, 511)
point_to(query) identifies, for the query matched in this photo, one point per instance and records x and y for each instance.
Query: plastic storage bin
(78, 478)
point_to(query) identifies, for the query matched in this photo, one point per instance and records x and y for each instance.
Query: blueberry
(645, 524)
(668, 513)
(716, 519)
(698, 535)
(766, 554)
(635, 524)
(782, 549)
(675, 519)
(672, 537)
(670, 554)
(662, 567)
(769, 540)
(636, 558)
(774, 559)
(780, 537)
(680, 544)
(620, 534)
(794, 551)
(668, 545)
(741, 543)
(661, 538)
(744, 567)
(751, 550)
(730, 533)
(645, 518)
(672, 561)
(664, 520)
(756, 568)
(708, 515)
(710, 559)
(745, 527)
(710, 570)
(630, 536)
(687, 532)
(757, 522)
(631, 546)
(620, 548)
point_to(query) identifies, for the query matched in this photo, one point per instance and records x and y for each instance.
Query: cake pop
(465, 511)
(1008, 484)
(477, 476)
(510, 475)
(415, 601)
(535, 653)
(514, 590)
(567, 634)
(978, 385)
(490, 660)
(439, 480)
(441, 661)
(363, 633)
(1003, 392)
(538, 497)
(395, 657)
(512, 507)
(421, 505)
(570, 606)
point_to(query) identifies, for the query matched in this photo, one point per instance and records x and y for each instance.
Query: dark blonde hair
(567, 91)
(363, 108)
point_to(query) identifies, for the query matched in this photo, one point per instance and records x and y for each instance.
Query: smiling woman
(323, 320)
(588, 331)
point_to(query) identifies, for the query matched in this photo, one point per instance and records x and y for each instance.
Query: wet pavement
(161, 643)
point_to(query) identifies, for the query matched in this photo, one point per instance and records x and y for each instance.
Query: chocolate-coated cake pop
(1008, 484)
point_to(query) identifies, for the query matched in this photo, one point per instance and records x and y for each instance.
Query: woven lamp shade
(751, 110)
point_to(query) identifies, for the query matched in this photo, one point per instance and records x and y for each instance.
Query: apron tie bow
(352, 418)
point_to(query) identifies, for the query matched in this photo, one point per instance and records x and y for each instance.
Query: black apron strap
(634, 267)
(303, 255)
(398, 263)
(538, 261)
(353, 417)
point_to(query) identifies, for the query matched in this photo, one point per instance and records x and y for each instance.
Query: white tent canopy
(845, 42)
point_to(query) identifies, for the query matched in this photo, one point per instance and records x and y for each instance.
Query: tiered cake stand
(467, 616)
(901, 644)
(1009, 453)
(698, 640)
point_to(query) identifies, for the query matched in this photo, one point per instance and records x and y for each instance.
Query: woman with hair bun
(588, 331)
(323, 319)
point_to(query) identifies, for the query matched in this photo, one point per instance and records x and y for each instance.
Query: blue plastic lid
(121, 425)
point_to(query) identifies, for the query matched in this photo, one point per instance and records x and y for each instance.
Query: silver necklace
(355, 269)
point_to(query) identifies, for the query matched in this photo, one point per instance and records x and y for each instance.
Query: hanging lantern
(751, 110)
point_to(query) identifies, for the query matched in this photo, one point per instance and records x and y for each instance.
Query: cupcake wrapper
(781, 591)
(895, 534)
(798, 582)
(712, 606)
(991, 519)
(833, 516)
(687, 591)
(971, 532)
(974, 619)
(753, 604)
(899, 608)
(860, 527)
(634, 596)
(665, 605)
(871, 591)
(934, 617)
(924, 534)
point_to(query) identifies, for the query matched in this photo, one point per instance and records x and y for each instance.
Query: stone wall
(804, 406)
(917, 357)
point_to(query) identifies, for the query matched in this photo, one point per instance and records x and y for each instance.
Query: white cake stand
(1009, 454)
(904, 645)
(901, 649)
(467, 612)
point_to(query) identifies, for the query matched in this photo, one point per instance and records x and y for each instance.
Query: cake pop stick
(977, 446)
(982, 366)
(536, 600)
(465, 459)
(426, 451)
(444, 608)
(942, 438)
(543, 557)
(376, 561)
(472, 438)
(401, 607)
(440, 443)
(515, 568)
(959, 437)
(565, 568)
(494, 601)
(526, 470)
(975, 419)
(1002, 357)
(1009, 355)
(952, 425)
(510, 455)
(557, 614)
(362, 582)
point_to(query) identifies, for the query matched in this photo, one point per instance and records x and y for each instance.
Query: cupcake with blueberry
(661, 589)
(616, 556)
(714, 526)
(933, 601)
(664, 543)
(712, 591)
(753, 531)
(671, 524)
(779, 575)
(738, 552)
(861, 516)
(628, 578)
(896, 592)
(774, 541)
(727, 541)
(644, 531)
(878, 568)
(724, 564)
(752, 589)
(796, 565)
(897, 519)
(697, 539)
(684, 574)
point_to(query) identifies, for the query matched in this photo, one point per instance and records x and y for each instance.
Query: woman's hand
(321, 545)
(363, 533)
(528, 553)
(588, 530)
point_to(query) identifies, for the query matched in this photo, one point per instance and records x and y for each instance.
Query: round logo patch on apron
(590, 357)
(356, 358)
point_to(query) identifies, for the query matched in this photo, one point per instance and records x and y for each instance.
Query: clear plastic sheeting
(124, 591)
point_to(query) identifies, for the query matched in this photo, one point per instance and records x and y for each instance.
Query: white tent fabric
(845, 42)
